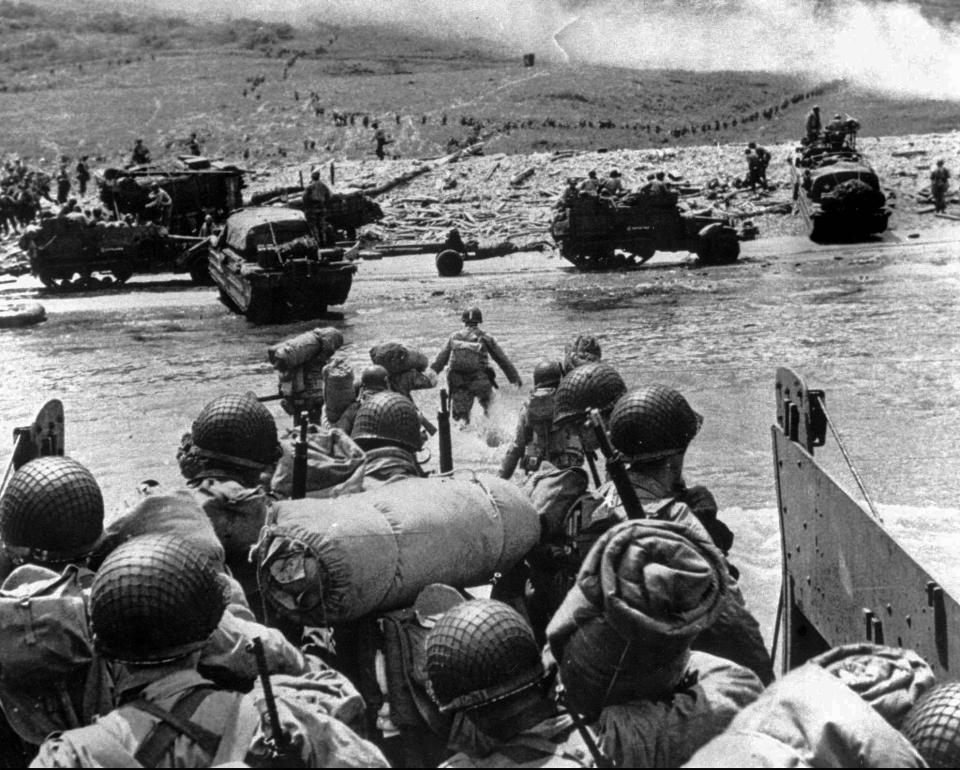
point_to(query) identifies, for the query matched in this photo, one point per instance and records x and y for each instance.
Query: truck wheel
(200, 273)
(449, 263)
(718, 249)
(122, 274)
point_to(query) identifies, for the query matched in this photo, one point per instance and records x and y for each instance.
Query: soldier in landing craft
(154, 603)
(471, 376)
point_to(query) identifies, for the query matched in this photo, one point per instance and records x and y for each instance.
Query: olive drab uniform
(537, 440)
(470, 377)
(183, 720)
(939, 182)
(736, 633)
(554, 742)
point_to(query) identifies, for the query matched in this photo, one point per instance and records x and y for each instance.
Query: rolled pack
(324, 562)
(299, 350)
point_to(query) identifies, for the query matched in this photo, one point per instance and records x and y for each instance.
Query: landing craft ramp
(845, 577)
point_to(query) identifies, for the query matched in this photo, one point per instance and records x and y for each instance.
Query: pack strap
(173, 723)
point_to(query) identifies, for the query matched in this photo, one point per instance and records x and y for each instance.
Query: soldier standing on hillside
(380, 137)
(939, 182)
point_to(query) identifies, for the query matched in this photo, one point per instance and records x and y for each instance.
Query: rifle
(599, 758)
(300, 460)
(446, 445)
(616, 467)
(278, 744)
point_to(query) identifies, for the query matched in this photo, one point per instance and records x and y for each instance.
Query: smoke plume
(889, 47)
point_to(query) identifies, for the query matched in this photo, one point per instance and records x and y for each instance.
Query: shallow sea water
(874, 326)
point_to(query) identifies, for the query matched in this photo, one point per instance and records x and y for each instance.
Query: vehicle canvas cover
(250, 229)
(466, 357)
(829, 177)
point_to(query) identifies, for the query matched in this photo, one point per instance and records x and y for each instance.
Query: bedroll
(331, 561)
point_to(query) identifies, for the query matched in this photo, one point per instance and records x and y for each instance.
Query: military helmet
(547, 374)
(472, 316)
(586, 345)
(933, 726)
(388, 417)
(51, 512)
(479, 652)
(375, 377)
(653, 423)
(154, 599)
(591, 386)
(237, 429)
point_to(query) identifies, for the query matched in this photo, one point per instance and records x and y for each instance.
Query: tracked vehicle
(589, 230)
(836, 190)
(268, 266)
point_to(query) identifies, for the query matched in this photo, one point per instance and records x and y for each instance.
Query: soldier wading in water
(470, 375)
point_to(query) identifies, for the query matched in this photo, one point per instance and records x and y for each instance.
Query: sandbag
(397, 358)
(296, 351)
(335, 464)
(324, 562)
(338, 389)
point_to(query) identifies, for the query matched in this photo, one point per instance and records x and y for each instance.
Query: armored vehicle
(268, 266)
(69, 252)
(590, 229)
(836, 190)
(345, 212)
(197, 186)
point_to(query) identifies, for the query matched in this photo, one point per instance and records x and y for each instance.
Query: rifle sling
(172, 724)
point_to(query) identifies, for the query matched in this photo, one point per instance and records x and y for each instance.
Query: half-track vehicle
(268, 266)
(589, 230)
(72, 253)
(198, 186)
(836, 190)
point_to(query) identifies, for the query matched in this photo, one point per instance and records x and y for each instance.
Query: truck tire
(718, 249)
(200, 273)
(449, 263)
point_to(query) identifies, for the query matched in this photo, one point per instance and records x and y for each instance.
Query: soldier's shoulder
(459, 760)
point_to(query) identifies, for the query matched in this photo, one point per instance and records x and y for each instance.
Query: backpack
(466, 357)
(50, 678)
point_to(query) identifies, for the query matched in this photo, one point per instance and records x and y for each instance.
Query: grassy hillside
(78, 79)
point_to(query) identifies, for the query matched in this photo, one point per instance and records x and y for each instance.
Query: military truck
(836, 190)
(589, 230)
(268, 266)
(71, 253)
(198, 186)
